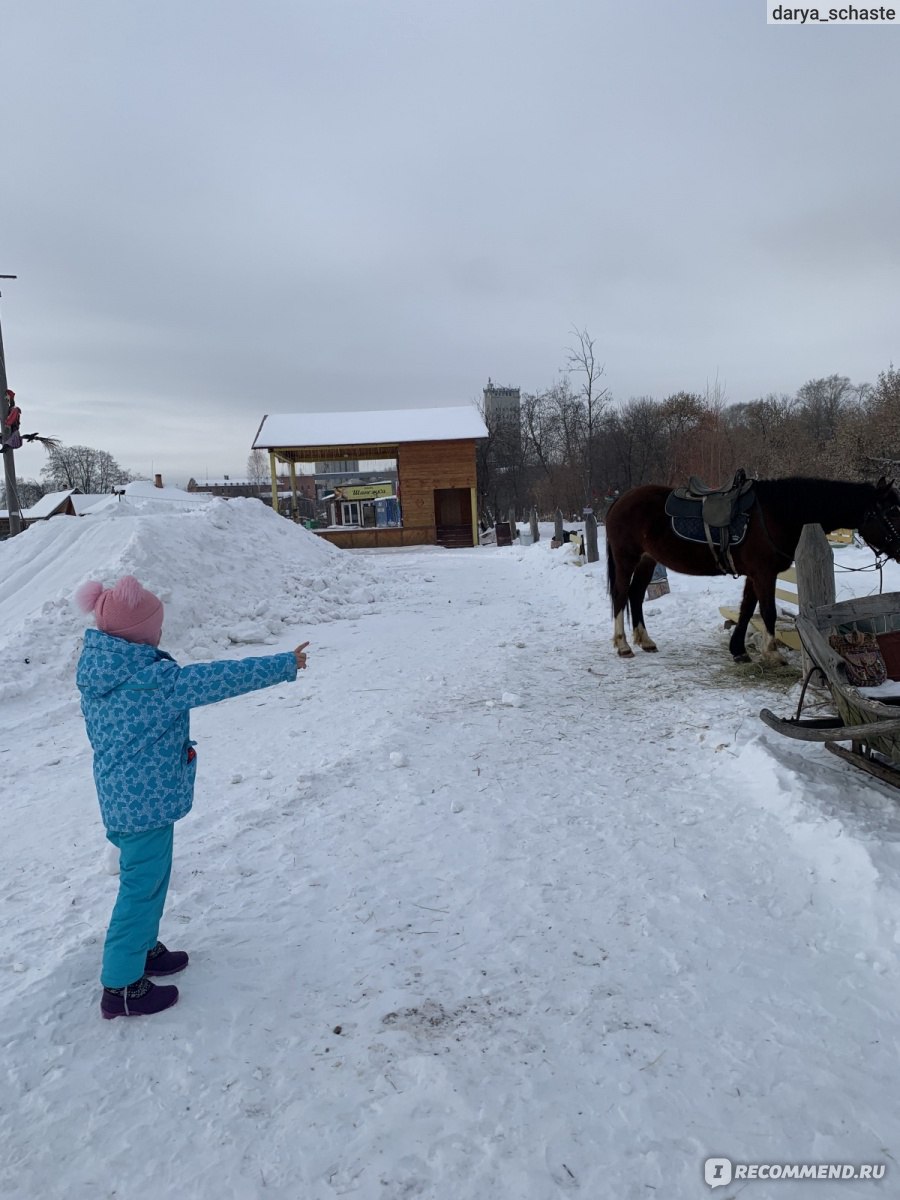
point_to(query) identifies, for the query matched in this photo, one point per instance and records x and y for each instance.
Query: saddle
(716, 516)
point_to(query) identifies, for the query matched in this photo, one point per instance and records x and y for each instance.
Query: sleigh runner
(855, 647)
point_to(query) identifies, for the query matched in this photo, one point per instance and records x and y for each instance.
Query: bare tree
(760, 434)
(258, 471)
(644, 429)
(682, 418)
(93, 471)
(879, 442)
(583, 364)
(553, 437)
(29, 491)
(819, 403)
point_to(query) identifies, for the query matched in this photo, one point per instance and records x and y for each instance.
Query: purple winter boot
(161, 961)
(140, 999)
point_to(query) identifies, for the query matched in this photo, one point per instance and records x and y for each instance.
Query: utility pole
(9, 464)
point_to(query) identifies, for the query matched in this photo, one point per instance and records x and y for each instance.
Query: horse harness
(717, 516)
(881, 514)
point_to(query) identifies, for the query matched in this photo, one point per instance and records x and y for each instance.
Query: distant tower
(503, 409)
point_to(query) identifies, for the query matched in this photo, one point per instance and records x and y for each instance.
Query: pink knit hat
(125, 610)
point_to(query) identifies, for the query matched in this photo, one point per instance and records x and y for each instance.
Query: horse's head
(880, 525)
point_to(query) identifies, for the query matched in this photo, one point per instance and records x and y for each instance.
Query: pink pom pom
(128, 591)
(88, 594)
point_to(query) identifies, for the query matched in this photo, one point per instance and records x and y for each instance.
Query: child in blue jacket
(136, 702)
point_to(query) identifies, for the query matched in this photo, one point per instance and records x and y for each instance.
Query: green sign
(364, 491)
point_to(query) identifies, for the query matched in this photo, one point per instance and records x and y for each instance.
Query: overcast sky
(218, 210)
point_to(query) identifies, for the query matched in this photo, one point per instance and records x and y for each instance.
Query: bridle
(886, 518)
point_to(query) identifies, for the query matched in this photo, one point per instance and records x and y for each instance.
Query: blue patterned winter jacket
(136, 702)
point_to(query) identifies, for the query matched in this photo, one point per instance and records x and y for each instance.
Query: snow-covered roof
(370, 427)
(81, 502)
(47, 505)
(100, 504)
(142, 491)
(145, 489)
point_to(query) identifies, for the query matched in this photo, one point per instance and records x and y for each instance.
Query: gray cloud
(218, 210)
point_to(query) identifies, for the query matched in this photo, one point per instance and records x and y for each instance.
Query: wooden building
(434, 449)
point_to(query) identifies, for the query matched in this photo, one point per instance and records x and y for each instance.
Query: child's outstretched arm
(206, 683)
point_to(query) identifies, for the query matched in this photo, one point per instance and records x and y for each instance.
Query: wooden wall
(377, 538)
(424, 467)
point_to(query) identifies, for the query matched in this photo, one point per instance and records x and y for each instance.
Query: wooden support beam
(274, 470)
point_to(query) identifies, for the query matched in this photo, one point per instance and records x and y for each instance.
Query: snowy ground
(476, 910)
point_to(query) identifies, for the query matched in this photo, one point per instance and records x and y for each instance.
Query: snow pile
(229, 573)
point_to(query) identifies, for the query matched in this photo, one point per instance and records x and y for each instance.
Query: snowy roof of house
(82, 502)
(47, 505)
(370, 427)
(144, 490)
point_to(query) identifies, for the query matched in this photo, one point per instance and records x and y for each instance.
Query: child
(136, 702)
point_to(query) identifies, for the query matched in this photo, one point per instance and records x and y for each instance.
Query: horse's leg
(621, 570)
(738, 643)
(765, 590)
(620, 641)
(640, 580)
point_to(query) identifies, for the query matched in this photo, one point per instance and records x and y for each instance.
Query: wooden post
(513, 527)
(294, 513)
(815, 570)
(274, 471)
(535, 532)
(590, 538)
(815, 575)
(559, 528)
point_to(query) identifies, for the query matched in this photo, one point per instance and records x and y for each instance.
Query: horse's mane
(811, 498)
(816, 480)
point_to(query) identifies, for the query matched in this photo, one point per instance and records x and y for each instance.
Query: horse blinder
(886, 518)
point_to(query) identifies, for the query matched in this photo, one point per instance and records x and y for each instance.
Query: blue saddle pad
(687, 521)
(691, 529)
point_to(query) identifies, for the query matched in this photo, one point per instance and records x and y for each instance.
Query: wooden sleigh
(870, 724)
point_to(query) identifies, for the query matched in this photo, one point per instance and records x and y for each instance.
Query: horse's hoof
(650, 649)
(626, 654)
(742, 658)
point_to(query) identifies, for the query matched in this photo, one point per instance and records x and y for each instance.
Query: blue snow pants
(145, 864)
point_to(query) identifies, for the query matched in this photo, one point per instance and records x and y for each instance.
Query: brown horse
(639, 535)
